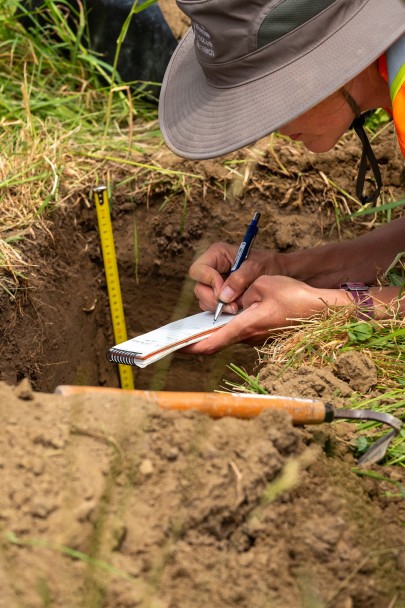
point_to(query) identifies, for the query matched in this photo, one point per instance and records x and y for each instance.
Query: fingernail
(227, 294)
(229, 308)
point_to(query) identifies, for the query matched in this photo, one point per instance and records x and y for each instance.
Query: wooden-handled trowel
(248, 405)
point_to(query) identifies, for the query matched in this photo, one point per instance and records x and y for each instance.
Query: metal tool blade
(378, 450)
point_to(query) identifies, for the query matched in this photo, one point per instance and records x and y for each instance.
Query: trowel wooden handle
(240, 405)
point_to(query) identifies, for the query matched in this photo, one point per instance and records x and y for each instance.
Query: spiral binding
(116, 355)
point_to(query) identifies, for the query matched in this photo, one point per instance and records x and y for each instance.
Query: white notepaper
(154, 345)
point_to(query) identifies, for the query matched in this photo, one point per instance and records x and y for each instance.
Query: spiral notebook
(154, 345)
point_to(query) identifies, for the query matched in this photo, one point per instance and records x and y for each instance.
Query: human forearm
(278, 301)
(360, 259)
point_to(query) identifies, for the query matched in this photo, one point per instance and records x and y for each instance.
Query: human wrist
(274, 264)
(291, 264)
(321, 299)
(375, 302)
(335, 298)
(387, 301)
(362, 300)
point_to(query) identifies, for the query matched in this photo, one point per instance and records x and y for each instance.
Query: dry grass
(318, 342)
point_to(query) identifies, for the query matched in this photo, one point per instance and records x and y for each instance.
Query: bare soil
(110, 502)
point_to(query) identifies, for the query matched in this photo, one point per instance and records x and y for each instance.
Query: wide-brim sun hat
(247, 67)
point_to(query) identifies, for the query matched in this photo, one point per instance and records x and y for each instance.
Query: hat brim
(199, 121)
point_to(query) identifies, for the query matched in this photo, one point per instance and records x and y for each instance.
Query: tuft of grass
(370, 210)
(251, 384)
(377, 120)
(318, 341)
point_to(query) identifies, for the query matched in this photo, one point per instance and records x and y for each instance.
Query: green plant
(377, 119)
(250, 384)
(319, 340)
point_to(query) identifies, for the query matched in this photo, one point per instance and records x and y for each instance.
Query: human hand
(211, 272)
(270, 302)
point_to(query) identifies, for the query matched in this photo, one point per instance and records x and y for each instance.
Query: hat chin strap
(367, 154)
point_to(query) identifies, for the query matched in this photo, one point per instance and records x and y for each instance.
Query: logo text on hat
(202, 40)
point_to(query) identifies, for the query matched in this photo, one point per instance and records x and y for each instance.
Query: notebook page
(174, 335)
(163, 353)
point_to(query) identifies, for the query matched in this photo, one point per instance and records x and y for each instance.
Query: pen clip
(246, 245)
(250, 245)
(239, 256)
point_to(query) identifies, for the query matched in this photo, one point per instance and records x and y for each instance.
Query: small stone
(146, 467)
(168, 230)
(42, 507)
(172, 454)
(85, 510)
(246, 558)
(254, 526)
(32, 463)
(55, 437)
(24, 390)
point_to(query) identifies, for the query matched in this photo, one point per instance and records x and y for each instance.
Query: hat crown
(222, 29)
(287, 16)
(237, 41)
(227, 29)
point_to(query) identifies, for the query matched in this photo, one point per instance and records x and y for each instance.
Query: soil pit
(107, 502)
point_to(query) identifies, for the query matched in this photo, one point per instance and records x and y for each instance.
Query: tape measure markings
(112, 278)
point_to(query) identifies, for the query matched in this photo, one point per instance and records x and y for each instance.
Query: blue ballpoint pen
(242, 254)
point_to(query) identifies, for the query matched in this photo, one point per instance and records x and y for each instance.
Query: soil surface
(107, 501)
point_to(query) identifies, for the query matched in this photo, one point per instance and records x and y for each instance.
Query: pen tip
(218, 310)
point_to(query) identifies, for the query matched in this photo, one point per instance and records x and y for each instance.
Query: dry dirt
(107, 502)
(110, 502)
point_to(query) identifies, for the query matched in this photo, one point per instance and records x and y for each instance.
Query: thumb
(236, 284)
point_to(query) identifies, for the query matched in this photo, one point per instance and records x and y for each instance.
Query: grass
(67, 121)
(318, 342)
(73, 553)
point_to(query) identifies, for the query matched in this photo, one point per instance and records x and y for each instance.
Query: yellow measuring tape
(113, 282)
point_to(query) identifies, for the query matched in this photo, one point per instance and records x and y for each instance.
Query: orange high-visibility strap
(392, 69)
